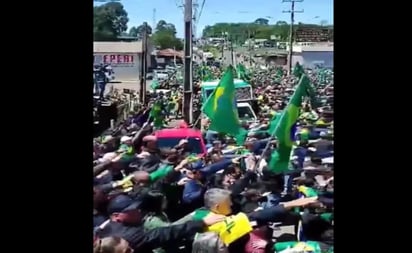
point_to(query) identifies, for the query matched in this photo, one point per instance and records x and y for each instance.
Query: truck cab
(246, 113)
(169, 138)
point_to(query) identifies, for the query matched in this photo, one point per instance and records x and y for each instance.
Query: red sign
(118, 58)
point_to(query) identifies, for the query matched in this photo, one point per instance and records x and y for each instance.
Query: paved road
(228, 58)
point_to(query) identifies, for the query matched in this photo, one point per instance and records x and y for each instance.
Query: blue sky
(216, 11)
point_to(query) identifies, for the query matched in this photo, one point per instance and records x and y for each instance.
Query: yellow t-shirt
(232, 228)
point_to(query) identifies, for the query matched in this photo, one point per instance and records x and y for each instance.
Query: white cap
(143, 154)
(107, 138)
(323, 134)
(125, 138)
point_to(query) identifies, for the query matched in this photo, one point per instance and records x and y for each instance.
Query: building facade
(124, 57)
(313, 55)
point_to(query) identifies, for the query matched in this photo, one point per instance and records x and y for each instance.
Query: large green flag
(286, 129)
(221, 106)
(298, 72)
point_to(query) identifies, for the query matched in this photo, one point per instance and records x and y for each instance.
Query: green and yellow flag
(221, 106)
(286, 128)
(299, 71)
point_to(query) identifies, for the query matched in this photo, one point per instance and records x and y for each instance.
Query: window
(245, 113)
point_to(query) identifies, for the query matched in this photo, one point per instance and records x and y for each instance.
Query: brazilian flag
(286, 128)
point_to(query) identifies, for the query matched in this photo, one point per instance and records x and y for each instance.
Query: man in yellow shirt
(219, 201)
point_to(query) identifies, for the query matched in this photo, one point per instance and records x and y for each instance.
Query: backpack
(208, 242)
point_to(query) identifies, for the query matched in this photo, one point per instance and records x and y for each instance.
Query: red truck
(168, 138)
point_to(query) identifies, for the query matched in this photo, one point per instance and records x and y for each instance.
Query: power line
(201, 10)
(180, 5)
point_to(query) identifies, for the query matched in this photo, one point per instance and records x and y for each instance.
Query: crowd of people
(153, 199)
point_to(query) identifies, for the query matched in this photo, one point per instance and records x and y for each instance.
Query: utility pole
(188, 81)
(292, 12)
(143, 70)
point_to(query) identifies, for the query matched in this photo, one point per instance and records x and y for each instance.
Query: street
(228, 58)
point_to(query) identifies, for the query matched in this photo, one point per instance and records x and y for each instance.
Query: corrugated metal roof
(117, 47)
(169, 53)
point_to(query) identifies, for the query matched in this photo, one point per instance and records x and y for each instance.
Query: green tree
(165, 40)
(134, 32)
(240, 32)
(138, 31)
(109, 21)
(262, 21)
(165, 36)
(164, 26)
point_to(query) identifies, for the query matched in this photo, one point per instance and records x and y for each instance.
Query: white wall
(126, 66)
(308, 59)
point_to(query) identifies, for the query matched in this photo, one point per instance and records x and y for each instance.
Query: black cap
(122, 203)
